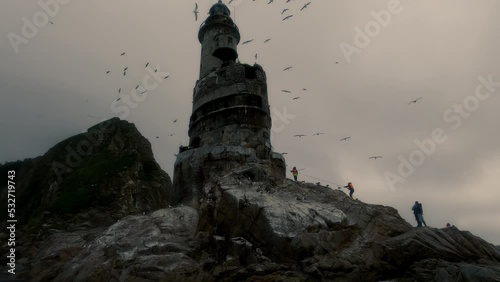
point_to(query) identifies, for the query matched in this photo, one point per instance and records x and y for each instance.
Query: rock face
(243, 225)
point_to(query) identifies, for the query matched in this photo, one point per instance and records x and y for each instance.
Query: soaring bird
(318, 133)
(375, 157)
(305, 6)
(166, 77)
(195, 11)
(51, 22)
(230, 1)
(137, 86)
(246, 42)
(286, 91)
(119, 91)
(124, 73)
(284, 10)
(175, 120)
(415, 101)
(147, 64)
(267, 40)
(345, 138)
(287, 68)
(256, 56)
(123, 54)
(287, 17)
(144, 92)
(304, 89)
(270, 1)
(108, 72)
(157, 137)
(156, 70)
(295, 98)
(125, 69)
(171, 134)
(299, 135)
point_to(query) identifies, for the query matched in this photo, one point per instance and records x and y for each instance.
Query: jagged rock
(243, 224)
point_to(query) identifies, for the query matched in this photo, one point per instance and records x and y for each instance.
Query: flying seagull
(287, 68)
(284, 10)
(147, 64)
(267, 40)
(166, 77)
(137, 86)
(295, 98)
(287, 17)
(108, 72)
(286, 91)
(123, 54)
(51, 22)
(270, 1)
(375, 157)
(304, 89)
(415, 101)
(345, 138)
(246, 42)
(124, 73)
(171, 134)
(256, 56)
(299, 135)
(125, 69)
(318, 133)
(305, 6)
(119, 91)
(175, 120)
(195, 11)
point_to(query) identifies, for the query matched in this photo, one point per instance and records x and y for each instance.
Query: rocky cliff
(106, 218)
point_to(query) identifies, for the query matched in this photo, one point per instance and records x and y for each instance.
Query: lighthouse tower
(230, 124)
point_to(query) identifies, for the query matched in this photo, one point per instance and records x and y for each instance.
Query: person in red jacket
(295, 173)
(351, 188)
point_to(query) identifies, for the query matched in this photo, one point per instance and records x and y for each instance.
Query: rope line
(321, 179)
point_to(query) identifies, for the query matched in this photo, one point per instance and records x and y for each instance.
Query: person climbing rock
(295, 173)
(351, 188)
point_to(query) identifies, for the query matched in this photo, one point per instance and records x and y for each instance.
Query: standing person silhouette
(295, 173)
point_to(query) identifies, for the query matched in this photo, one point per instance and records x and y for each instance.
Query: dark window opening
(250, 72)
(230, 40)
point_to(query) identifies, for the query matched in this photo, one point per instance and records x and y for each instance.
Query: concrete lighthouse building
(230, 124)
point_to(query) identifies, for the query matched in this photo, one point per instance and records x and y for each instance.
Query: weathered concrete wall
(195, 168)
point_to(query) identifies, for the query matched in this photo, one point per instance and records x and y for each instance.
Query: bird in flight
(295, 98)
(123, 54)
(125, 69)
(345, 138)
(287, 17)
(246, 42)
(195, 11)
(270, 1)
(156, 70)
(144, 92)
(415, 101)
(318, 133)
(304, 89)
(230, 1)
(166, 77)
(299, 135)
(287, 68)
(124, 73)
(256, 56)
(267, 40)
(108, 72)
(137, 86)
(147, 64)
(375, 157)
(175, 120)
(286, 91)
(305, 6)
(51, 22)
(119, 91)
(171, 134)
(284, 10)
(157, 137)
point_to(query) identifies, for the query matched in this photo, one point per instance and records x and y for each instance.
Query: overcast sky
(54, 85)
